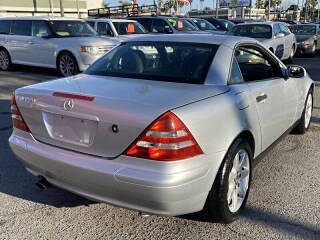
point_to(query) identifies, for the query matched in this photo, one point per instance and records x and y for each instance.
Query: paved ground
(283, 203)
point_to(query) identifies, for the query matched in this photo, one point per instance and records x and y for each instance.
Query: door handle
(261, 97)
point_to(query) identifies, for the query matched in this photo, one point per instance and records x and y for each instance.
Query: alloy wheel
(238, 181)
(67, 65)
(308, 111)
(4, 60)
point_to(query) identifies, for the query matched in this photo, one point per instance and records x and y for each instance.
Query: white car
(118, 28)
(69, 45)
(275, 36)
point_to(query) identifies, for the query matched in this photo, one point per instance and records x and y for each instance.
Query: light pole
(61, 8)
(51, 7)
(318, 11)
(78, 9)
(217, 8)
(269, 5)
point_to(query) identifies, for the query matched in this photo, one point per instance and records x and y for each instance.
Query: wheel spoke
(244, 173)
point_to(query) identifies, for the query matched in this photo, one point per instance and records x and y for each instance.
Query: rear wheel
(305, 120)
(230, 190)
(5, 61)
(67, 65)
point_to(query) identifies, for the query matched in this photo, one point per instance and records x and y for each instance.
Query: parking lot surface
(283, 202)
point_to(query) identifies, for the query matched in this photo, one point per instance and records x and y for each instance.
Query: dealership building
(47, 7)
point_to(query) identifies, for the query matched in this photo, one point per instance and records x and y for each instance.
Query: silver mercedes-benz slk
(163, 124)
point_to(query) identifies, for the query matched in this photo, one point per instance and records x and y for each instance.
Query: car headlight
(307, 42)
(90, 50)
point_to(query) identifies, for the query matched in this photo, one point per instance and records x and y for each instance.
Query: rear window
(125, 28)
(253, 31)
(21, 27)
(158, 61)
(5, 27)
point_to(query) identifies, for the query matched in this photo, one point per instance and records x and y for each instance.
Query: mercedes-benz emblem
(68, 105)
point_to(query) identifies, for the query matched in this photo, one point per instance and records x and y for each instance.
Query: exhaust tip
(142, 214)
(43, 184)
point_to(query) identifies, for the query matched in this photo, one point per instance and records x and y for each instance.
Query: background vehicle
(227, 99)
(221, 24)
(118, 28)
(308, 38)
(273, 35)
(164, 24)
(204, 25)
(68, 45)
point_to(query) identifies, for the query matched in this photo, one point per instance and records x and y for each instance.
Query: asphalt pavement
(283, 202)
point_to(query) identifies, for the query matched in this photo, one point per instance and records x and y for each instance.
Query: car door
(263, 76)
(42, 44)
(288, 40)
(5, 26)
(278, 41)
(20, 41)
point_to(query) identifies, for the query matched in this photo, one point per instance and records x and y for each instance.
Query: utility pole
(269, 5)
(78, 11)
(51, 7)
(318, 11)
(217, 8)
(61, 8)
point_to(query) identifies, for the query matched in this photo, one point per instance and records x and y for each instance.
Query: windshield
(72, 29)
(303, 29)
(203, 25)
(181, 24)
(252, 31)
(158, 61)
(125, 28)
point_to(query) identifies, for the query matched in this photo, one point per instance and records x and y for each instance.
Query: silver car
(121, 29)
(275, 36)
(69, 45)
(163, 124)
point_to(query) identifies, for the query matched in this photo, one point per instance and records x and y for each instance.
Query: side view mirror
(280, 35)
(295, 71)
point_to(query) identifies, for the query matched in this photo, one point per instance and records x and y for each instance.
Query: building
(47, 7)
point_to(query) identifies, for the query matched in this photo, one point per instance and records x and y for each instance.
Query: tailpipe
(42, 183)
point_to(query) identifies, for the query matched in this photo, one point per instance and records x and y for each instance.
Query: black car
(308, 38)
(220, 24)
(165, 24)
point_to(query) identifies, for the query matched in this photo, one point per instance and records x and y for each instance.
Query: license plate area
(70, 130)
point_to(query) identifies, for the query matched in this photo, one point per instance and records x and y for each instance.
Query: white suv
(118, 28)
(69, 45)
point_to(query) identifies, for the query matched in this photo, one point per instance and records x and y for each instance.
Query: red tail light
(166, 139)
(17, 120)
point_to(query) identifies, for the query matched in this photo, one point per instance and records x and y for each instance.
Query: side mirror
(295, 71)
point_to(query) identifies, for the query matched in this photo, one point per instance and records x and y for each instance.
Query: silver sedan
(163, 124)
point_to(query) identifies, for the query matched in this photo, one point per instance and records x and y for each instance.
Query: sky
(209, 3)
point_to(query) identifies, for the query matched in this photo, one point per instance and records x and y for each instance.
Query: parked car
(222, 25)
(273, 35)
(163, 124)
(165, 24)
(308, 38)
(118, 28)
(204, 25)
(68, 45)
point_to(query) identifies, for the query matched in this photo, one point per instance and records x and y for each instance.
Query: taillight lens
(17, 120)
(166, 139)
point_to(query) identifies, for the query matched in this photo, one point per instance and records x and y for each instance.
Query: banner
(234, 3)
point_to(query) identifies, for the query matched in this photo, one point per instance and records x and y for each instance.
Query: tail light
(166, 139)
(17, 120)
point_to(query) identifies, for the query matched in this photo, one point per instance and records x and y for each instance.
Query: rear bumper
(143, 185)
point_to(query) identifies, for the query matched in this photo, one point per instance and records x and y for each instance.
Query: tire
(305, 120)
(5, 60)
(292, 53)
(67, 65)
(226, 186)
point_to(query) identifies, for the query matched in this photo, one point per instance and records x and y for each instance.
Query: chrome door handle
(261, 97)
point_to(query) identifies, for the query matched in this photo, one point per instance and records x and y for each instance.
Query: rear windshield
(253, 31)
(159, 61)
(125, 28)
(304, 29)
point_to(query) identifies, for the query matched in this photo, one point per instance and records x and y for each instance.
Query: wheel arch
(3, 48)
(65, 51)
(248, 136)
